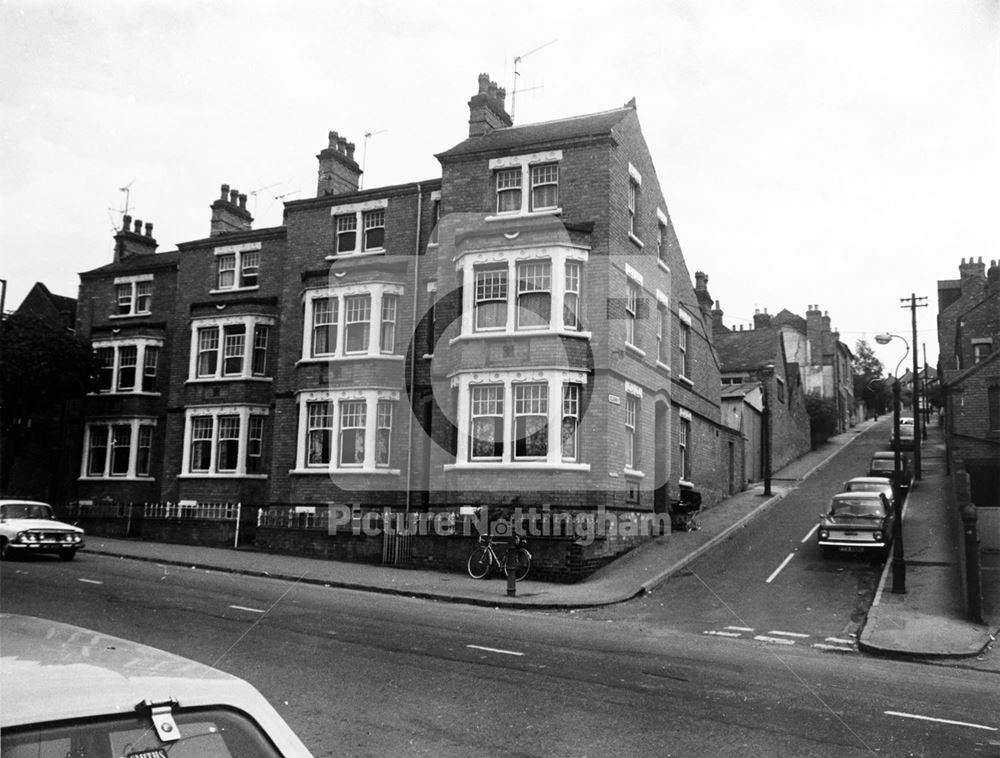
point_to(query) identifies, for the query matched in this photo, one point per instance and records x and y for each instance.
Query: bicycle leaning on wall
(515, 558)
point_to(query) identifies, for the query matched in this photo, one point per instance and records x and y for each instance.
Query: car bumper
(44, 547)
(855, 545)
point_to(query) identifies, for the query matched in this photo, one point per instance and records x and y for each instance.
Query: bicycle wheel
(479, 563)
(517, 561)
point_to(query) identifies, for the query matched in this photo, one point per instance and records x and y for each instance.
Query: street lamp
(898, 563)
(765, 427)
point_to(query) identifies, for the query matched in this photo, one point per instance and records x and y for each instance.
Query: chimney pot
(149, 228)
(493, 90)
(126, 222)
(484, 83)
(350, 150)
(234, 196)
(333, 139)
(138, 226)
(243, 201)
(225, 192)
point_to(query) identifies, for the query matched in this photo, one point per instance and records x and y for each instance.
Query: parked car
(869, 484)
(28, 526)
(70, 691)
(906, 435)
(883, 464)
(856, 521)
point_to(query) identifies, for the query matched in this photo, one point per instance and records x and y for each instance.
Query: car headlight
(878, 536)
(29, 537)
(824, 534)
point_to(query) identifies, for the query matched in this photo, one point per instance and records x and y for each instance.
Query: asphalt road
(360, 674)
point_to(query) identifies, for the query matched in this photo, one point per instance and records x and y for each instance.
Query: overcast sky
(831, 152)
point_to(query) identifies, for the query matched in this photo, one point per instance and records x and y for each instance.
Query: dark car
(856, 522)
(884, 464)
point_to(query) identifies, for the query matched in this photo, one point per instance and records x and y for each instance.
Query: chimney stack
(486, 108)
(131, 241)
(761, 320)
(717, 325)
(229, 213)
(338, 172)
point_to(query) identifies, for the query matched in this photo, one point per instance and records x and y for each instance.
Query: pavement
(927, 621)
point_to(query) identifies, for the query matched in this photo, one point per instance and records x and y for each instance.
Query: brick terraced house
(521, 332)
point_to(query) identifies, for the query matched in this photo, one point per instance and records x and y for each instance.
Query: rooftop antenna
(254, 193)
(517, 60)
(364, 155)
(126, 189)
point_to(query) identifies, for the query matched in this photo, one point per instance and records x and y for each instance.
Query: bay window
(345, 431)
(350, 321)
(519, 419)
(522, 290)
(234, 347)
(224, 441)
(117, 448)
(119, 364)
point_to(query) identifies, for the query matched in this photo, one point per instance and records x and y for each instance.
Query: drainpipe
(413, 354)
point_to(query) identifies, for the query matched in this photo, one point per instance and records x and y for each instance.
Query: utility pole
(913, 302)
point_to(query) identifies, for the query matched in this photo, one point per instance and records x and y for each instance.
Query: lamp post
(898, 562)
(765, 426)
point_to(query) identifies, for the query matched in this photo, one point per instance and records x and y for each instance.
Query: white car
(70, 691)
(28, 526)
(869, 484)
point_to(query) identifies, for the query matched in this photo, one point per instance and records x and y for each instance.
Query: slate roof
(748, 350)
(560, 130)
(739, 390)
(135, 263)
(787, 318)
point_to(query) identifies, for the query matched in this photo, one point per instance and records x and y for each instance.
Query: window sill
(521, 466)
(358, 254)
(116, 479)
(632, 473)
(524, 214)
(346, 358)
(130, 315)
(636, 241)
(224, 290)
(205, 475)
(663, 366)
(685, 380)
(118, 393)
(635, 350)
(215, 379)
(522, 334)
(327, 471)
(663, 265)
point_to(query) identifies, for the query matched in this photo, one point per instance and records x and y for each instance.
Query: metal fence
(193, 510)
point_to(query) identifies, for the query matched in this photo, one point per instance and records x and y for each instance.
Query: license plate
(852, 549)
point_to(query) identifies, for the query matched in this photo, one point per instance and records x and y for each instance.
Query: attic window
(526, 184)
(369, 218)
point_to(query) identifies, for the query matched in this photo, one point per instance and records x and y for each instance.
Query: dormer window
(237, 267)
(369, 218)
(527, 184)
(133, 295)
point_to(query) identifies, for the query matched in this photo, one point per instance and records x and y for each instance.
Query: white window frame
(134, 425)
(684, 427)
(246, 258)
(524, 164)
(981, 349)
(663, 318)
(361, 212)
(142, 345)
(662, 253)
(554, 381)
(140, 295)
(558, 256)
(631, 408)
(377, 293)
(373, 400)
(249, 347)
(634, 203)
(214, 413)
(683, 344)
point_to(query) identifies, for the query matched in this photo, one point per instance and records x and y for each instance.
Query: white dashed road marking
(776, 640)
(722, 634)
(941, 721)
(824, 646)
(244, 608)
(89, 581)
(778, 570)
(494, 650)
(788, 634)
(810, 534)
(740, 628)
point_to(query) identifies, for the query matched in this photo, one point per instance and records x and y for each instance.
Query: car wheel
(4, 548)
(67, 555)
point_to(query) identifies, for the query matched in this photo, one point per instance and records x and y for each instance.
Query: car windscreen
(857, 508)
(204, 733)
(865, 487)
(26, 510)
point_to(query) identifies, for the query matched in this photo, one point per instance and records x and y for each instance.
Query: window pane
(571, 295)
(143, 456)
(570, 421)
(98, 453)
(509, 190)
(491, 298)
(229, 443)
(227, 271)
(387, 341)
(127, 357)
(235, 344)
(631, 311)
(150, 365)
(201, 443)
(533, 294)
(208, 351)
(260, 336)
(143, 297)
(631, 439)
(352, 433)
(250, 263)
(324, 326)
(531, 429)
(255, 445)
(544, 187)
(487, 421)
(347, 233)
(357, 315)
(319, 425)
(383, 433)
(123, 294)
(374, 230)
(121, 437)
(106, 360)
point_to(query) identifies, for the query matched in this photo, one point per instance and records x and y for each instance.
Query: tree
(869, 384)
(42, 365)
(823, 418)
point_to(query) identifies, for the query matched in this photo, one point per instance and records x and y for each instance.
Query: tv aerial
(517, 61)
(364, 155)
